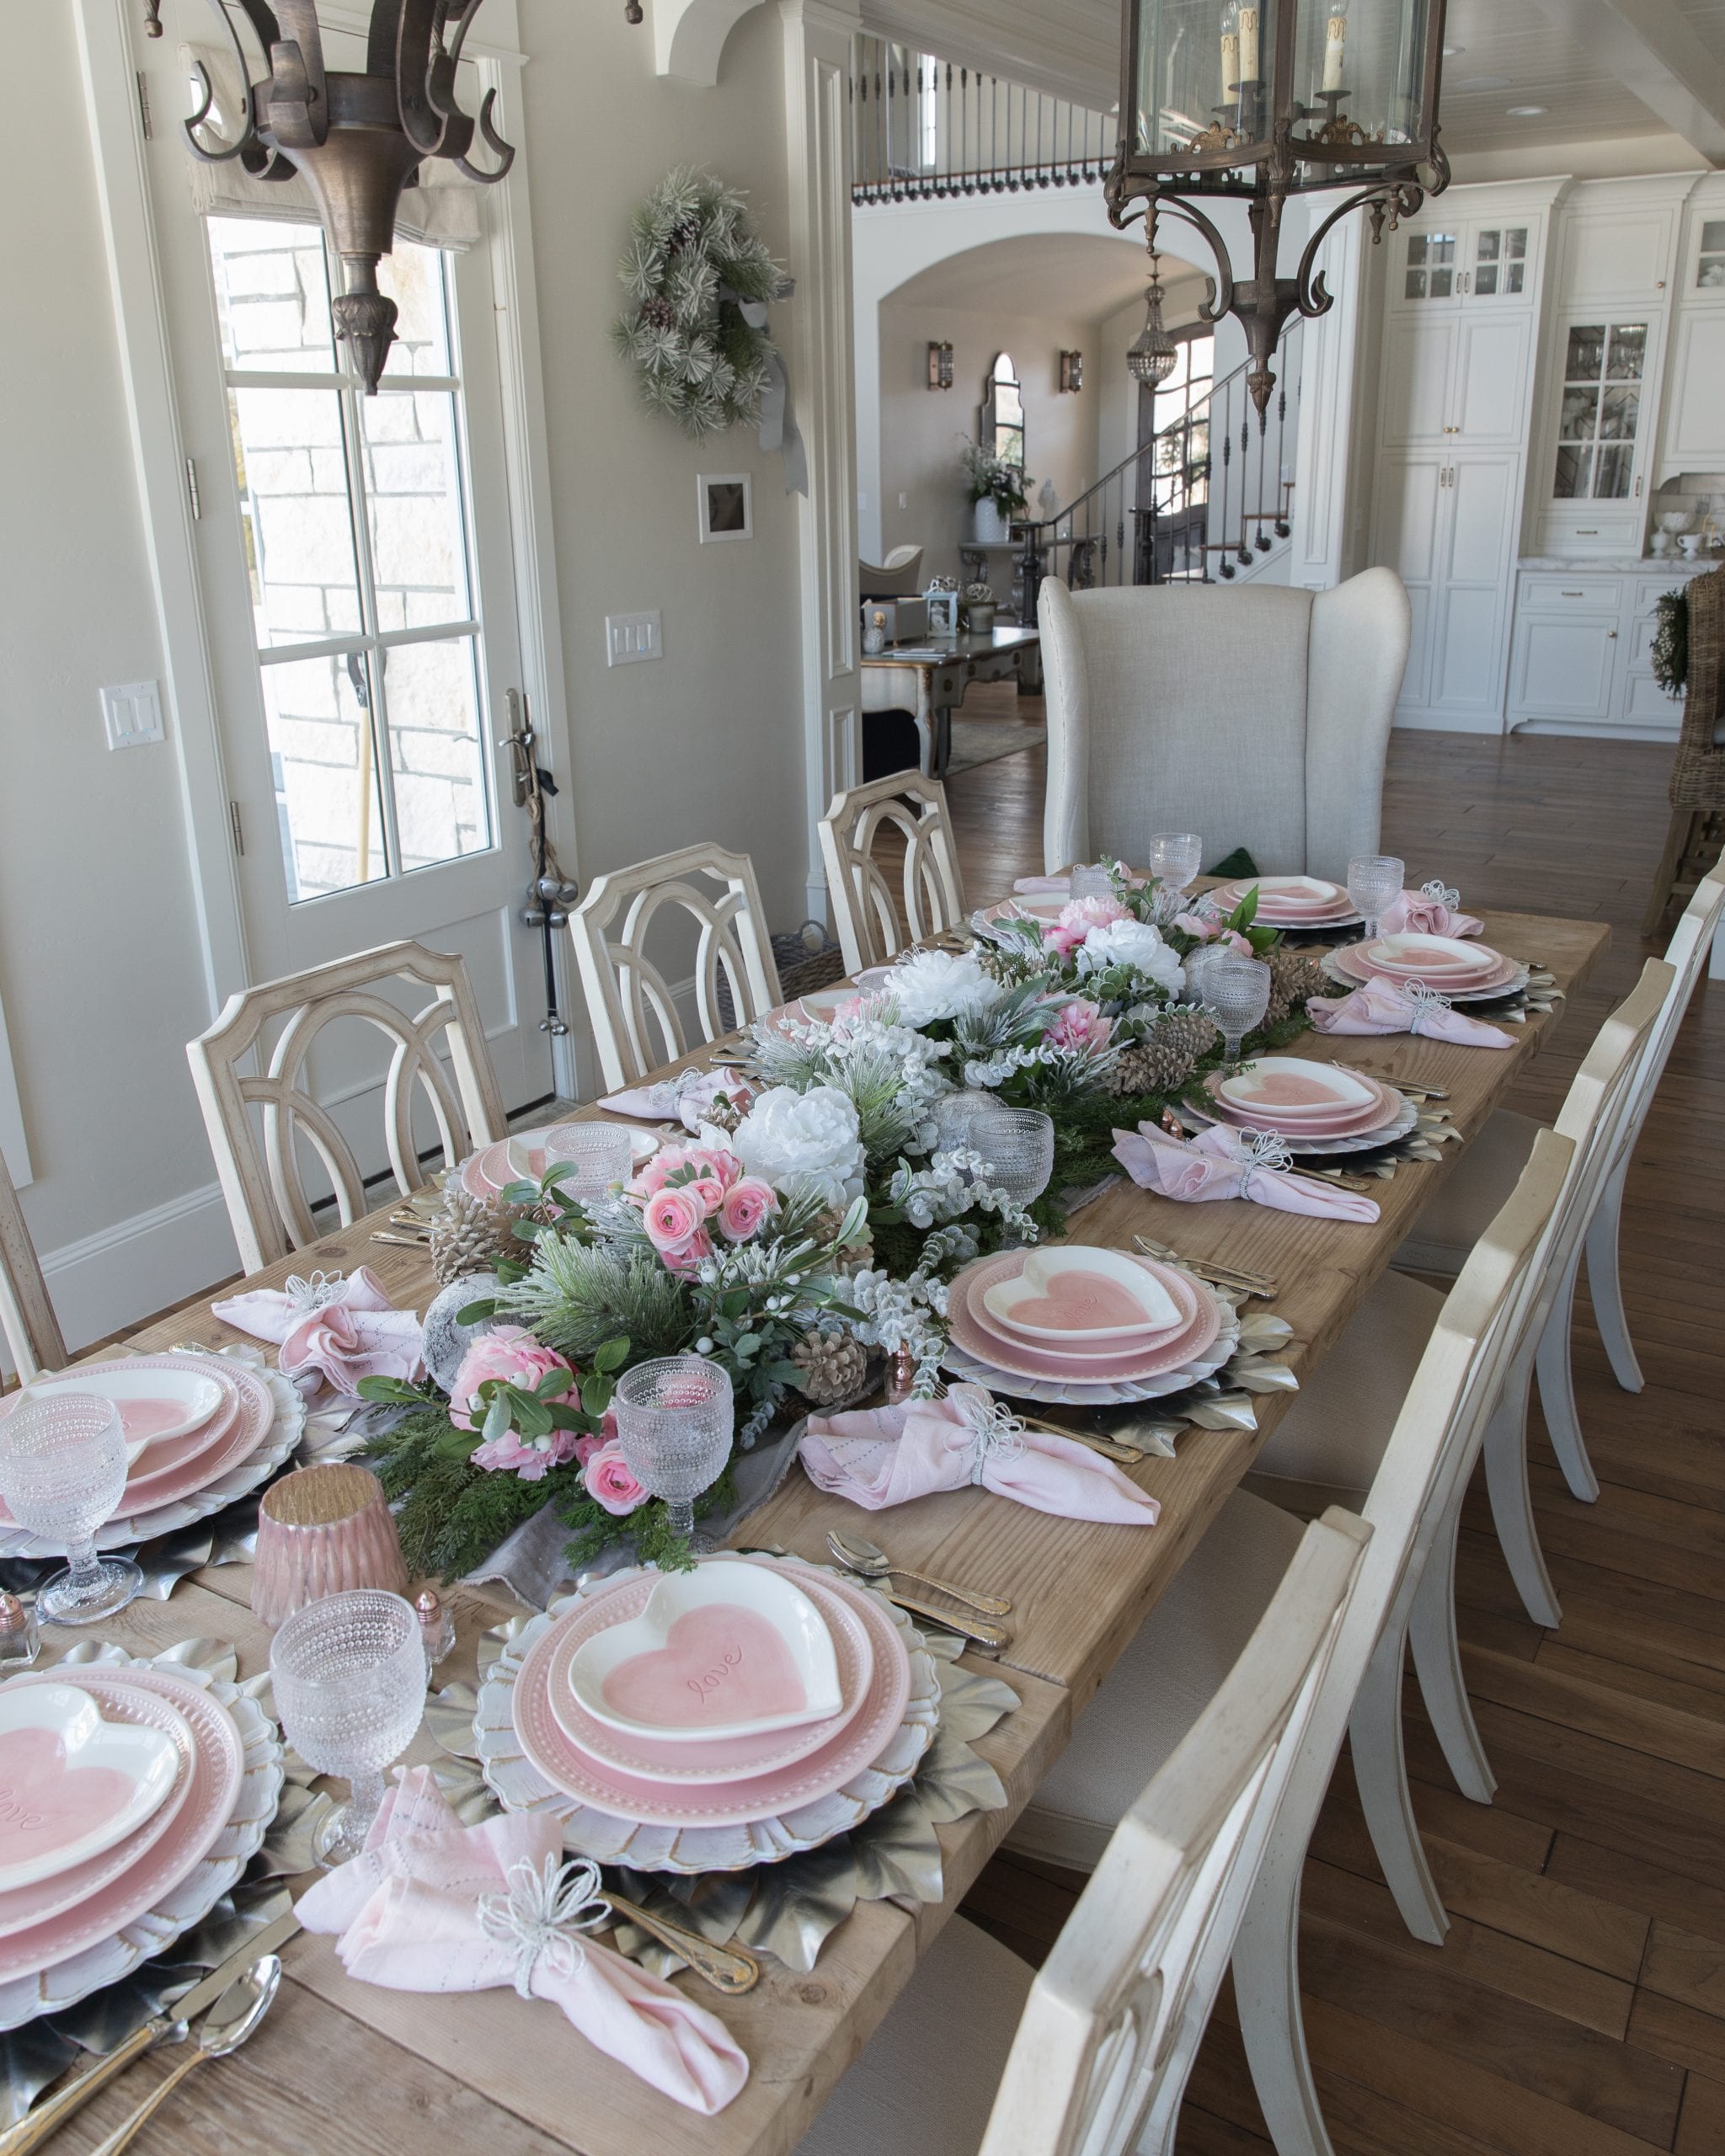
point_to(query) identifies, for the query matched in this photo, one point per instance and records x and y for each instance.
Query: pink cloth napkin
(882, 1456)
(1224, 1163)
(1388, 1006)
(431, 1905)
(672, 1100)
(331, 1331)
(1031, 886)
(1429, 911)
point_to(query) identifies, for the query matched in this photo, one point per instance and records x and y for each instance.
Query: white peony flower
(935, 985)
(804, 1144)
(1133, 943)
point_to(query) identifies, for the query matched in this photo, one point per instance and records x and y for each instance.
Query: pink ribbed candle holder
(321, 1531)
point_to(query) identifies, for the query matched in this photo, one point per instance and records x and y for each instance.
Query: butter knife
(49, 2116)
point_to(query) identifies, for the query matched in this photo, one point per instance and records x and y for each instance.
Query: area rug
(985, 740)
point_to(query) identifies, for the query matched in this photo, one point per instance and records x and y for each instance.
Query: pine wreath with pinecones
(693, 264)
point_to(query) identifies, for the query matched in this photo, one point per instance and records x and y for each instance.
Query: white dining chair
(865, 912)
(1194, 1635)
(262, 1164)
(1447, 1229)
(981, 2055)
(27, 1320)
(1260, 717)
(630, 1005)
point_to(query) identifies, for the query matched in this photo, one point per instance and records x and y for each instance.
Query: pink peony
(1081, 1027)
(532, 1459)
(1076, 920)
(512, 1354)
(746, 1207)
(607, 1480)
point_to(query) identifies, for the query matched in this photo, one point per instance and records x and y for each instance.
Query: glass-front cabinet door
(1710, 259)
(1599, 424)
(1428, 268)
(1461, 263)
(1497, 269)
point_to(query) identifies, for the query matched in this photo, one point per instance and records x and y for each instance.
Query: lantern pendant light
(1252, 101)
(1151, 354)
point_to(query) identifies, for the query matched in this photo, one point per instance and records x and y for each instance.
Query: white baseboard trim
(1447, 722)
(108, 1280)
(1581, 729)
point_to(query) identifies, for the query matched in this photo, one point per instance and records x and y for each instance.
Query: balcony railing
(923, 128)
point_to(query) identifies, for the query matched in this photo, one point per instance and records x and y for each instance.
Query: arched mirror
(1002, 429)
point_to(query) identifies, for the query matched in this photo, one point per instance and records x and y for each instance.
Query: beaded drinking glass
(1235, 992)
(1018, 1148)
(1176, 858)
(674, 1421)
(1091, 879)
(62, 1474)
(1374, 884)
(953, 1115)
(598, 1155)
(348, 1673)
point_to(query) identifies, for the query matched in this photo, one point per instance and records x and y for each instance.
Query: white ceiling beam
(1652, 49)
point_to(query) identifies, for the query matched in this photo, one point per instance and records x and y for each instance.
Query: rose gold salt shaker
(436, 1626)
(19, 1640)
(901, 1376)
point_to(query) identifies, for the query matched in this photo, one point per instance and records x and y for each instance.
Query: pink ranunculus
(531, 1459)
(673, 1218)
(707, 1171)
(512, 1354)
(1080, 1026)
(608, 1481)
(1077, 917)
(596, 1440)
(1210, 928)
(746, 1208)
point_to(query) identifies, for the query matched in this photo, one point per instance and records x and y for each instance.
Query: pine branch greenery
(579, 1296)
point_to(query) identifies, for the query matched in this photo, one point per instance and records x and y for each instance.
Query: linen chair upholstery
(27, 1320)
(864, 911)
(1260, 717)
(630, 1004)
(1111, 2023)
(261, 1171)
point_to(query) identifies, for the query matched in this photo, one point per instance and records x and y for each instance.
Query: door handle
(519, 741)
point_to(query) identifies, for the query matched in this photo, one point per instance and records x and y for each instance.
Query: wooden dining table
(341, 2065)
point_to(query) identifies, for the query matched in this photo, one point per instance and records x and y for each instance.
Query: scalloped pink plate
(218, 1760)
(567, 1768)
(722, 1759)
(1018, 1358)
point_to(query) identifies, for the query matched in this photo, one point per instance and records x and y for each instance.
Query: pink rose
(745, 1208)
(1209, 928)
(531, 1459)
(1081, 1027)
(512, 1354)
(585, 1447)
(1077, 917)
(608, 1481)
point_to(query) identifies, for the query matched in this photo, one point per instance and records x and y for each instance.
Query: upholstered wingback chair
(1260, 717)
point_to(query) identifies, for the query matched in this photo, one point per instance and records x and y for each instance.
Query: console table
(929, 680)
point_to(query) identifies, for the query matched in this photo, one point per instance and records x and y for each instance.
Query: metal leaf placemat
(788, 1909)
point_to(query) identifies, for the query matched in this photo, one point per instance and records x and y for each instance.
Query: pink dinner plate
(728, 1759)
(1184, 1291)
(1018, 1358)
(567, 1768)
(22, 1907)
(218, 1761)
(1434, 958)
(180, 1466)
(1501, 976)
(160, 1452)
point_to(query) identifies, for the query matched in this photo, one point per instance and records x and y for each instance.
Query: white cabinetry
(1446, 520)
(1582, 661)
(1695, 402)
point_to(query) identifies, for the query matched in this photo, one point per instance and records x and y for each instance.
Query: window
(1003, 413)
(358, 545)
(1176, 414)
(1601, 408)
(1430, 274)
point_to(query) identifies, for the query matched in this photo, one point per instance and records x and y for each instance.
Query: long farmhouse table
(341, 2066)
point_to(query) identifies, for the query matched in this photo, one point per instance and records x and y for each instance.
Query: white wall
(100, 975)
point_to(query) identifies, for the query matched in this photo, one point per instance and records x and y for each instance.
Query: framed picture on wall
(727, 506)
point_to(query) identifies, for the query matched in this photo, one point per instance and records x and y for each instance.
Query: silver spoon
(873, 1563)
(224, 2029)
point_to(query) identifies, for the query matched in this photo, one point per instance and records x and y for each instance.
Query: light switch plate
(632, 637)
(132, 714)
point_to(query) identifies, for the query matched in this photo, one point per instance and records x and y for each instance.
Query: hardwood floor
(1577, 2006)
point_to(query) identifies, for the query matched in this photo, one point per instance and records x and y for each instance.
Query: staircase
(1206, 499)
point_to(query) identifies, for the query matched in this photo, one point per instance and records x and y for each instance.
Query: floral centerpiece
(992, 478)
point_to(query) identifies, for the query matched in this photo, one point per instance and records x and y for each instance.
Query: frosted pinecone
(658, 314)
(683, 233)
(833, 1365)
(468, 1234)
(1293, 977)
(824, 1229)
(1167, 1059)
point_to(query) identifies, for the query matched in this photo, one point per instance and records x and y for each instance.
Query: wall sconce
(940, 366)
(1071, 371)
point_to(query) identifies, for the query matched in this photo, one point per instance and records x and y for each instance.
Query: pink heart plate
(562, 1762)
(726, 1759)
(112, 1898)
(156, 1453)
(1077, 1343)
(1382, 1108)
(1291, 901)
(1441, 961)
(1019, 1359)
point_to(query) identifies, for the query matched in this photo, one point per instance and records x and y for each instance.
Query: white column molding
(1329, 375)
(818, 37)
(689, 36)
(15, 1149)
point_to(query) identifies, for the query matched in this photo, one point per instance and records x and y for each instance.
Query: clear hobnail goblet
(600, 1156)
(1017, 1148)
(62, 1474)
(348, 1673)
(1176, 858)
(954, 1113)
(1091, 879)
(674, 1421)
(1374, 884)
(1235, 992)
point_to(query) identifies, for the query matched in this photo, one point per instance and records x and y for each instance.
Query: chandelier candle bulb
(1335, 44)
(1230, 52)
(1248, 45)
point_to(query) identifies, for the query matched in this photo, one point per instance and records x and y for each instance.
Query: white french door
(355, 559)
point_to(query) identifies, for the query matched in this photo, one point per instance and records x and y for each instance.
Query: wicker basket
(1698, 776)
(801, 968)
